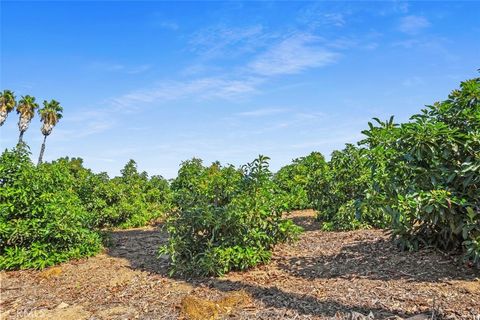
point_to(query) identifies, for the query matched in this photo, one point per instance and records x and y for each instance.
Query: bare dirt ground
(341, 275)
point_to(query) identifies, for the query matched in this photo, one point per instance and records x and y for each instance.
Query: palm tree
(7, 104)
(26, 108)
(50, 114)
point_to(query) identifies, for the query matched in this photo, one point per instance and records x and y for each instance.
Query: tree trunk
(42, 150)
(23, 123)
(3, 116)
(20, 138)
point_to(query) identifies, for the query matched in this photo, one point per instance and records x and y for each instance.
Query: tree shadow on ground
(306, 222)
(303, 304)
(379, 259)
(373, 258)
(140, 247)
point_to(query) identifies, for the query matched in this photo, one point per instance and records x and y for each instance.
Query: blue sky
(162, 82)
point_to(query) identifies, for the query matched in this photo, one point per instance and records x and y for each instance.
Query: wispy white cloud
(202, 88)
(413, 24)
(337, 140)
(262, 112)
(336, 19)
(84, 115)
(369, 42)
(270, 54)
(317, 15)
(104, 66)
(138, 69)
(432, 45)
(413, 81)
(342, 43)
(200, 68)
(401, 6)
(290, 119)
(386, 8)
(308, 116)
(117, 67)
(293, 55)
(86, 128)
(86, 122)
(227, 42)
(169, 25)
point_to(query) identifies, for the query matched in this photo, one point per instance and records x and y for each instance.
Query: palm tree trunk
(3, 116)
(42, 150)
(23, 123)
(20, 138)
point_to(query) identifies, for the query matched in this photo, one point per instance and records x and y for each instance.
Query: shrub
(290, 181)
(433, 165)
(294, 179)
(86, 182)
(139, 200)
(343, 192)
(42, 220)
(226, 218)
(131, 200)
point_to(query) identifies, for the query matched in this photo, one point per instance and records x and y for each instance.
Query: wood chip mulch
(325, 275)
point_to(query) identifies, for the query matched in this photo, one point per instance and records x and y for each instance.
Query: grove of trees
(418, 179)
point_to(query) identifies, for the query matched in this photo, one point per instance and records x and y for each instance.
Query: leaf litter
(325, 275)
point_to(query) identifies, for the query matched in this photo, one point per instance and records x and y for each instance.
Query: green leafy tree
(225, 218)
(42, 220)
(432, 173)
(131, 200)
(294, 179)
(342, 192)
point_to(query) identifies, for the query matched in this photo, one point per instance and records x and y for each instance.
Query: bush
(131, 200)
(294, 179)
(433, 165)
(42, 220)
(343, 192)
(138, 201)
(226, 219)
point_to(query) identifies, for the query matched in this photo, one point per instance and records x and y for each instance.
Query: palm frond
(51, 112)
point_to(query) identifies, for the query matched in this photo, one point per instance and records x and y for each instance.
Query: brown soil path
(322, 276)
